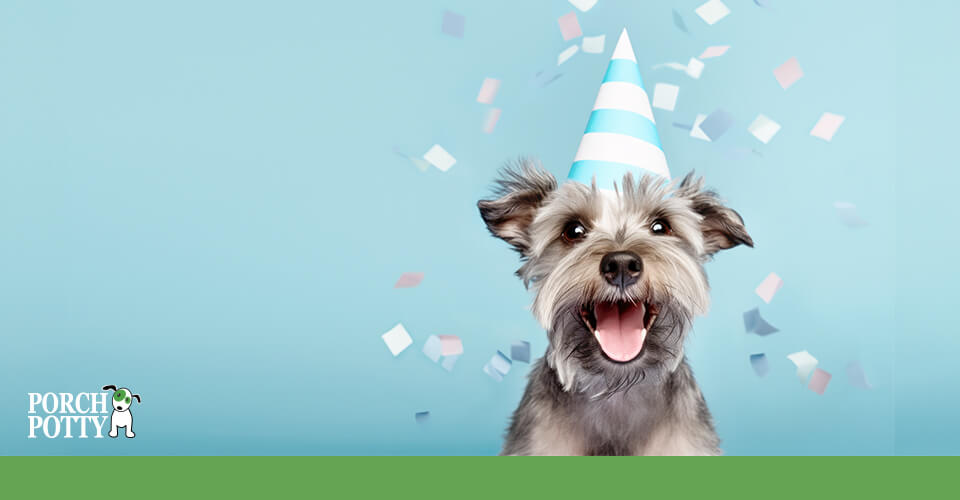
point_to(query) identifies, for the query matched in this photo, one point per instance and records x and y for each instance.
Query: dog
(121, 416)
(618, 278)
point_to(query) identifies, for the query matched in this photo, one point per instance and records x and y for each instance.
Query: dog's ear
(109, 388)
(520, 191)
(136, 396)
(722, 226)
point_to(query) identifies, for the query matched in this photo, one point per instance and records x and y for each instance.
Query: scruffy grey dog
(618, 278)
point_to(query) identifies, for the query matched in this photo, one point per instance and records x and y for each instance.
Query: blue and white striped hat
(621, 135)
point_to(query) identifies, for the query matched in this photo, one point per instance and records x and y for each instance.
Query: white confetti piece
(763, 128)
(694, 68)
(439, 157)
(696, 132)
(397, 339)
(488, 91)
(712, 11)
(665, 96)
(594, 44)
(805, 364)
(567, 54)
(714, 51)
(583, 5)
(827, 125)
(769, 286)
(498, 366)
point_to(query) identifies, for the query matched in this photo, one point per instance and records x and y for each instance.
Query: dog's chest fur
(668, 418)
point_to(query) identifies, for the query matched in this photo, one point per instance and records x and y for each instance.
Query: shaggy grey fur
(579, 401)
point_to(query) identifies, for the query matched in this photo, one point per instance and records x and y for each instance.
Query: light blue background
(199, 200)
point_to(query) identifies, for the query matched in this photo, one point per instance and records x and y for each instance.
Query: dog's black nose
(119, 408)
(621, 269)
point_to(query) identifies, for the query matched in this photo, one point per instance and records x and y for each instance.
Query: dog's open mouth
(620, 327)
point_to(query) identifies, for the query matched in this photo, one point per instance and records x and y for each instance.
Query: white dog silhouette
(121, 416)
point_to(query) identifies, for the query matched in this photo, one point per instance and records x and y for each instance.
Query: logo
(81, 415)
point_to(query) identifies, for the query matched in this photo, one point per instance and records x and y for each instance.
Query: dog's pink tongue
(620, 330)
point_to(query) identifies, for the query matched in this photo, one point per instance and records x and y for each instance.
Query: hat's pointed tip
(624, 49)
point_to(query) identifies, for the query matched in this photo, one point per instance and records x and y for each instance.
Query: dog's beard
(576, 353)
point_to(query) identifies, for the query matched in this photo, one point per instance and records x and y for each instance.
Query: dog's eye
(573, 232)
(660, 226)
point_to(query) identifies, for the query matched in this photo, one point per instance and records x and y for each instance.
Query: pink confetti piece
(491, 122)
(569, 27)
(827, 125)
(451, 345)
(819, 381)
(715, 51)
(788, 73)
(488, 91)
(409, 280)
(769, 287)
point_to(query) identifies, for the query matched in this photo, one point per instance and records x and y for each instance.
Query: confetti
(819, 381)
(409, 280)
(445, 347)
(805, 364)
(665, 96)
(594, 44)
(694, 68)
(827, 125)
(498, 366)
(788, 73)
(520, 351)
(569, 27)
(453, 24)
(421, 416)
(433, 348)
(420, 163)
(715, 51)
(439, 157)
(769, 286)
(678, 22)
(491, 121)
(695, 130)
(488, 91)
(760, 364)
(672, 65)
(754, 323)
(763, 128)
(684, 126)
(848, 214)
(566, 54)
(583, 5)
(452, 345)
(448, 362)
(857, 377)
(397, 339)
(712, 11)
(716, 124)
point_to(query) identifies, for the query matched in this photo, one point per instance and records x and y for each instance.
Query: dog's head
(618, 276)
(122, 397)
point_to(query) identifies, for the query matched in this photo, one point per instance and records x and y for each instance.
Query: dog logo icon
(121, 416)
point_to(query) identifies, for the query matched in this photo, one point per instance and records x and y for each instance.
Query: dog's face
(122, 399)
(618, 276)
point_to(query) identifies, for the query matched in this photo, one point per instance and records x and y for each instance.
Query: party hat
(621, 135)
